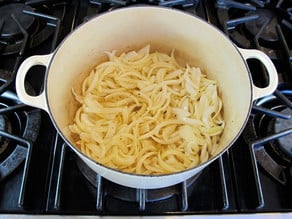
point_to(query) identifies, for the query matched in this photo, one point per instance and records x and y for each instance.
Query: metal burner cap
(10, 27)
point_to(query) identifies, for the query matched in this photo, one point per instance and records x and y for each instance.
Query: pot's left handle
(271, 70)
(38, 101)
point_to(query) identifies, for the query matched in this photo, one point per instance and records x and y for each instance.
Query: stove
(40, 175)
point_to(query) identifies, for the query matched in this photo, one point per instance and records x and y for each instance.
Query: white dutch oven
(196, 42)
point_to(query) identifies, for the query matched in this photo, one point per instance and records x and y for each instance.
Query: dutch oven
(195, 42)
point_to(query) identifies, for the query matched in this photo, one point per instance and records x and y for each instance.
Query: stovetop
(40, 175)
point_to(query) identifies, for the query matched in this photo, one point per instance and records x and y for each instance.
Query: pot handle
(38, 101)
(271, 70)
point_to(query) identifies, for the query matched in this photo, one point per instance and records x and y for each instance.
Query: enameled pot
(195, 41)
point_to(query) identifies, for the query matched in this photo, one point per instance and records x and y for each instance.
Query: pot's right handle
(38, 101)
(271, 70)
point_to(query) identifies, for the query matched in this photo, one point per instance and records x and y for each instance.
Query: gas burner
(266, 125)
(27, 25)
(284, 143)
(252, 25)
(12, 13)
(16, 121)
(267, 19)
(124, 193)
(270, 132)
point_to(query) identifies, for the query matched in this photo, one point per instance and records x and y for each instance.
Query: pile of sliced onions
(143, 113)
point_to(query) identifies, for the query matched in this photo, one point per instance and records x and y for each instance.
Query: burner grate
(19, 145)
(105, 194)
(267, 133)
(37, 20)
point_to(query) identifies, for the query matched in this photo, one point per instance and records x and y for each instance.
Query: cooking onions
(143, 113)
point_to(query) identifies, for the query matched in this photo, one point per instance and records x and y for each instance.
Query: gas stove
(40, 175)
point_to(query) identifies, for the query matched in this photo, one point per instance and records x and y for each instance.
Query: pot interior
(194, 41)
